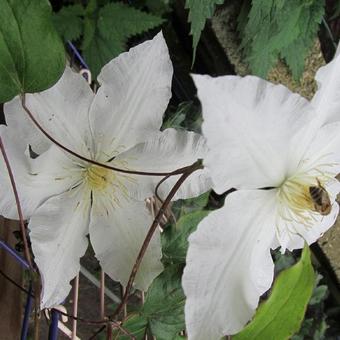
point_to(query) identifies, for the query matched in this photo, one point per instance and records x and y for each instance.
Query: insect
(321, 200)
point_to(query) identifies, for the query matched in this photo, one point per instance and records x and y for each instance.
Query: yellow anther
(98, 177)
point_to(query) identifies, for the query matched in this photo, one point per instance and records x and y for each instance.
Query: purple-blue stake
(16, 256)
(28, 308)
(77, 54)
(53, 331)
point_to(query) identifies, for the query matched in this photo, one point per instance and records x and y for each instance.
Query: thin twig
(150, 233)
(102, 293)
(155, 223)
(75, 306)
(114, 324)
(73, 153)
(17, 201)
(16, 284)
(108, 331)
(96, 283)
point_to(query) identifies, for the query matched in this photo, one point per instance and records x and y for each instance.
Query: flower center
(98, 177)
(302, 198)
(296, 201)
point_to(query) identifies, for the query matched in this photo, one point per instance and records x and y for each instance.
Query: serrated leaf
(280, 28)
(135, 324)
(199, 202)
(295, 53)
(319, 294)
(199, 12)
(164, 305)
(68, 22)
(281, 315)
(163, 311)
(32, 54)
(175, 239)
(107, 30)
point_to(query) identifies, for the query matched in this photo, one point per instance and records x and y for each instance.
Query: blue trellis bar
(28, 308)
(15, 254)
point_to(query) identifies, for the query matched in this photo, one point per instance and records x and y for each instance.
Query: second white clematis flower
(65, 198)
(282, 153)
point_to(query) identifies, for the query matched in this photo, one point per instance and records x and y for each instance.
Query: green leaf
(308, 25)
(135, 324)
(199, 12)
(163, 311)
(68, 22)
(281, 315)
(188, 115)
(32, 54)
(280, 28)
(107, 29)
(175, 239)
(164, 305)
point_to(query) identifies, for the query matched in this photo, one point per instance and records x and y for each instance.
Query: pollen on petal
(296, 203)
(98, 177)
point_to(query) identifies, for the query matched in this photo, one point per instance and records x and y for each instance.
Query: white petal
(36, 180)
(249, 124)
(134, 93)
(293, 235)
(62, 110)
(229, 265)
(323, 152)
(196, 184)
(117, 233)
(58, 232)
(165, 152)
(327, 98)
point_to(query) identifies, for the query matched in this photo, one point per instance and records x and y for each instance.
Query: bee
(320, 198)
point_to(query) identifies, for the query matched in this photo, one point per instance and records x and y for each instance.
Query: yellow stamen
(98, 177)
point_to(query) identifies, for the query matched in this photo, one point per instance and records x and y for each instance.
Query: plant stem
(150, 233)
(73, 153)
(188, 171)
(17, 201)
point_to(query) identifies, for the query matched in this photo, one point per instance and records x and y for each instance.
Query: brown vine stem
(189, 170)
(150, 233)
(114, 324)
(17, 201)
(73, 153)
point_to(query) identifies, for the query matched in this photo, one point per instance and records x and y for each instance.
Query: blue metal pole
(28, 308)
(12, 252)
(53, 331)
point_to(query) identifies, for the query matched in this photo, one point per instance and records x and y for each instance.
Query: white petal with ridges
(167, 151)
(134, 93)
(327, 98)
(117, 233)
(36, 179)
(58, 232)
(323, 153)
(293, 235)
(229, 265)
(248, 124)
(62, 110)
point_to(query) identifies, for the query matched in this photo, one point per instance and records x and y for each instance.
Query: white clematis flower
(282, 153)
(66, 198)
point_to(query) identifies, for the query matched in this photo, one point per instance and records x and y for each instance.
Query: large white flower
(279, 151)
(65, 198)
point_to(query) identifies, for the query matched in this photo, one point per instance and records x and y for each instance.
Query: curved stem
(150, 233)
(17, 201)
(73, 153)
(188, 171)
